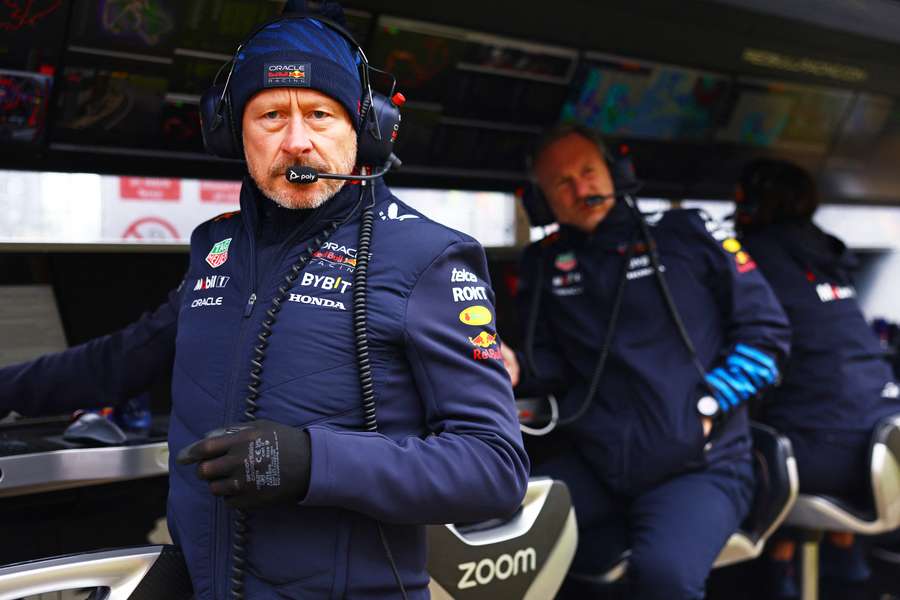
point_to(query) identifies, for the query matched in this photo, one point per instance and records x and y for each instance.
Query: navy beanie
(302, 53)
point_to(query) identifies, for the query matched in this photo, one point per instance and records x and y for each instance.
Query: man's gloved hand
(746, 372)
(253, 464)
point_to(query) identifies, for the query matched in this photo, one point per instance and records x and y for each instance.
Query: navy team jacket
(643, 425)
(837, 376)
(448, 447)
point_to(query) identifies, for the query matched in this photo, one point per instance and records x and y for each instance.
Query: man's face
(285, 127)
(569, 171)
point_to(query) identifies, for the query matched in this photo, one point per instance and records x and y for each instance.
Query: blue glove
(746, 372)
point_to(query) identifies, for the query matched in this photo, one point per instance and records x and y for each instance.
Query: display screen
(31, 33)
(517, 59)
(180, 125)
(471, 74)
(863, 125)
(23, 105)
(629, 99)
(422, 60)
(106, 106)
(142, 26)
(192, 74)
(220, 25)
(787, 117)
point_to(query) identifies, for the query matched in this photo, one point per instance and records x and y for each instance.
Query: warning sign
(150, 188)
(227, 192)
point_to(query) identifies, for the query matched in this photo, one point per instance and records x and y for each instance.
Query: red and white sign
(227, 192)
(162, 210)
(150, 188)
(151, 229)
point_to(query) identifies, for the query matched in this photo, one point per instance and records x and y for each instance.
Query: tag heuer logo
(219, 254)
(566, 262)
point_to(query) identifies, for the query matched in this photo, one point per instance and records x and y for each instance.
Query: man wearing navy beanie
(281, 489)
(300, 55)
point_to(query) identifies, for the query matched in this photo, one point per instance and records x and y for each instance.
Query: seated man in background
(837, 384)
(655, 443)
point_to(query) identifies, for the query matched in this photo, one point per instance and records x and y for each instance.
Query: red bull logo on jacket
(483, 340)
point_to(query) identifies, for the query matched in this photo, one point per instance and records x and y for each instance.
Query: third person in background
(837, 384)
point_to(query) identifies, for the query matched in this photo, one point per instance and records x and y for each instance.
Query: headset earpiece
(379, 126)
(217, 124)
(536, 206)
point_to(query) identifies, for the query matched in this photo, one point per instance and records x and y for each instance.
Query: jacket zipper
(220, 542)
(221, 531)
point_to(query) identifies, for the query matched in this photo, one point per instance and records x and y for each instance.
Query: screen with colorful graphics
(143, 26)
(790, 117)
(633, 99)
(31, 33)
(23, 106)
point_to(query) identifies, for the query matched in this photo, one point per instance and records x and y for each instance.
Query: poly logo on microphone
(302, 175)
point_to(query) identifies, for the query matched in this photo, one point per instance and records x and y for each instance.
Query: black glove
(253, 464)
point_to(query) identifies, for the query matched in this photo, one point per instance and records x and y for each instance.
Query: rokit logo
(210, 283)
(469, 293)
(503, 567)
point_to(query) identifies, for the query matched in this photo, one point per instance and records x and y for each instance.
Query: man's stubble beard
(275, 187)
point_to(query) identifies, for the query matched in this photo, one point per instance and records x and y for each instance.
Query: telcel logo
(502, 568)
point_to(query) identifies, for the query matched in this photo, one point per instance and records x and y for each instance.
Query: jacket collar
(337, 208)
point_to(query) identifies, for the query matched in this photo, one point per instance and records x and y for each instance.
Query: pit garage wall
(58, 208)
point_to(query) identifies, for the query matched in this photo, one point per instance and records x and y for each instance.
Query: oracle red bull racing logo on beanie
(219, 254)
(286, 74)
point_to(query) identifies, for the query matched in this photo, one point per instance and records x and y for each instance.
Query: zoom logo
(503, 567)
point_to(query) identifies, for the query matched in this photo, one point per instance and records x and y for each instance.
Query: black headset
(620, 165)
(379, 120)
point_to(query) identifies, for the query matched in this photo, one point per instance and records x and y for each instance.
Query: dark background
(99, 86)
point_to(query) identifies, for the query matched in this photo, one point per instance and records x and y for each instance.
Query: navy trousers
(674, 531)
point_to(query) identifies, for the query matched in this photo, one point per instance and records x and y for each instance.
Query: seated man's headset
(621, 169)
(378, 127)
